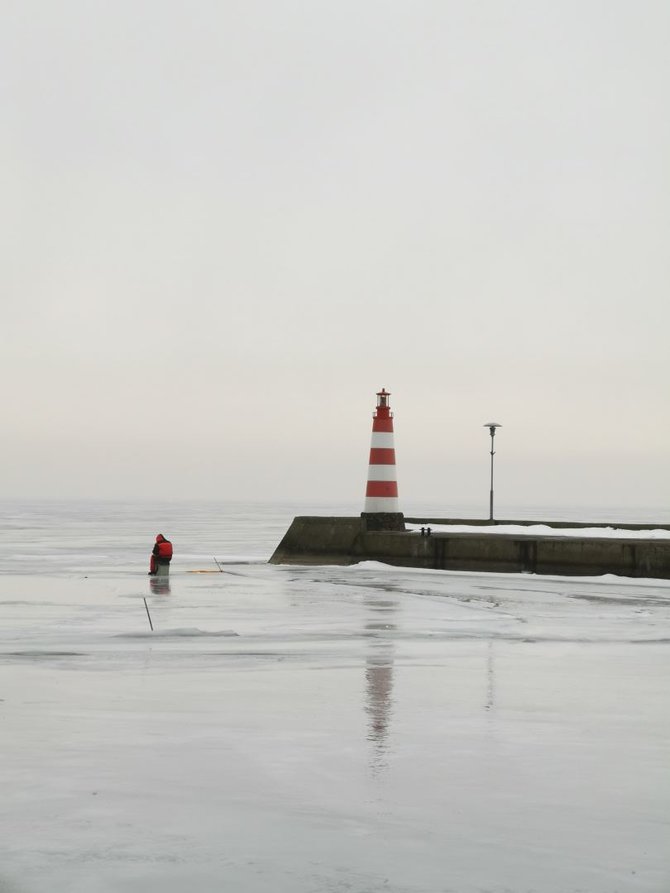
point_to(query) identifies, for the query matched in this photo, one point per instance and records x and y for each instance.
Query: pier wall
(321, 540)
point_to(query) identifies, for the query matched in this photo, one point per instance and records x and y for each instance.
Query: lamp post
(492, 428)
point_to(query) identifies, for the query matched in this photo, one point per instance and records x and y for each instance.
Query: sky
(226, 225)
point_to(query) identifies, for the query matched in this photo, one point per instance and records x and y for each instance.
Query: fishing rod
(148, 614)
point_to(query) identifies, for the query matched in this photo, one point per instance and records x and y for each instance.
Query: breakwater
(348, 540)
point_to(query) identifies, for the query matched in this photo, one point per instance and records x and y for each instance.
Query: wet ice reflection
(490, 676)
(379, 677)
(160, 585)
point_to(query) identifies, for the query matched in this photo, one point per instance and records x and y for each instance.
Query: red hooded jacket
(163, 548)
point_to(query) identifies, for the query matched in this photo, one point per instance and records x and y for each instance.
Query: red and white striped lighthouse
(381, 494)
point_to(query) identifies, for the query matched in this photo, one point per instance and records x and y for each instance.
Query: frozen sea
(320, 729)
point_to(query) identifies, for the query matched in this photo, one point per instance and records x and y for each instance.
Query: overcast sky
(226, 225)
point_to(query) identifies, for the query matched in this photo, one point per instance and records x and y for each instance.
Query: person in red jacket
(161, 554)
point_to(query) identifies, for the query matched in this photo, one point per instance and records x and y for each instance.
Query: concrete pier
(333, 540)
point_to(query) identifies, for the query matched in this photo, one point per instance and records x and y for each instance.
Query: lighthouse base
(383, 521)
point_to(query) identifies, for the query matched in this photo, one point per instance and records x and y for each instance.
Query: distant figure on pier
(161, 556)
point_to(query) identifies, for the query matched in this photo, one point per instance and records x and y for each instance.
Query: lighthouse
(381, 495)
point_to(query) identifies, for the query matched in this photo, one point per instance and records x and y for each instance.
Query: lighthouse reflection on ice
(379, 679)
(379, 668)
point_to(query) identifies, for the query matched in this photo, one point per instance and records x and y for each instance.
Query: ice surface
(298, 729)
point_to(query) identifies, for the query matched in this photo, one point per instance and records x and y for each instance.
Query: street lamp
(492, 428)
